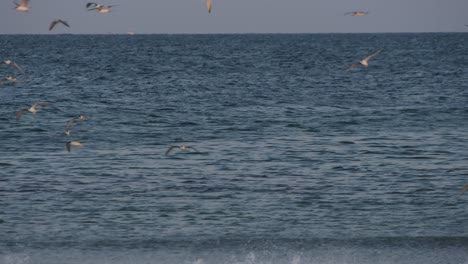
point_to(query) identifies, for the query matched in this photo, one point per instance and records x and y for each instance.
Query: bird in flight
(23, 6)
(100, 8)
(13, 64)
(74, 143)
(208, 5)
(357, 13)
(33, 109)
(365, 61)
(70, 122)
(8, 79)
(186, 148)
(56, 21)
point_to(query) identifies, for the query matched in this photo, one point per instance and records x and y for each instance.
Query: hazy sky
(238, 16)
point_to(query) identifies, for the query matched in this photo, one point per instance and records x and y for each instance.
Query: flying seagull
(100, 8)
(33, 109)
(357, 13)
(208, 5)
(70, 122)
(56, 21)
(13, 64)
(179, 147)
(23, 6)
(8, 79)
(364, 62)
(74, 143)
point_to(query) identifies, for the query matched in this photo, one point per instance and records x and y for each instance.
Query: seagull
(208, 5)
(100, 8)
(13, 64)
(179, 147)
(357, 13)
(364, 62)
(23, 6)
(70, 122)
(33, 109)
(74, 143)
(8, 79)
(56, 21)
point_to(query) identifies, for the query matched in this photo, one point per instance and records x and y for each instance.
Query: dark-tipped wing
(88, 5)
(20, 113)
(171, 148)
(68, 146)
(52, 25)
(208, 5)
(65, 23)
(372, 55)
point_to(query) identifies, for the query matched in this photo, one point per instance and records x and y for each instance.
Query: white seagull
(23, 6)
(100, 8)
(181, 148)
(365, 61)
(357, 13)
(74, 143)
(33, 109)
(13, 64)
(56, 21)
(208, 5)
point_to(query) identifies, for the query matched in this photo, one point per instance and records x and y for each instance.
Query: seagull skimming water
(365, 61)
(8, 79)
(33, 109)
(70, 122)
(74, 143)
(180, 147)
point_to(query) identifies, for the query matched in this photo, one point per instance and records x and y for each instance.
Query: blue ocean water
(298, 159)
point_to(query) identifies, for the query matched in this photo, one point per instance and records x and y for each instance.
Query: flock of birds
(23, 7)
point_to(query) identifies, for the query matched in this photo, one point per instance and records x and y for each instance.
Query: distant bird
(74, 143)
(208, 5)
(364, 62)
(8, 79)
(100, 8)
(70, 122)
(357, 13)
(23, 6)
(56, 21)
(180, 147)
(33, 109)
(13, 64)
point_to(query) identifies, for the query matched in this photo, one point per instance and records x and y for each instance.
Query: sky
(237, 16)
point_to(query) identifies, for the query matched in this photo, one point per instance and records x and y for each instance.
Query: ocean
(296, 158)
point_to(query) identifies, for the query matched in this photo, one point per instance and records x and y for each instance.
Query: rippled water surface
(298, 158)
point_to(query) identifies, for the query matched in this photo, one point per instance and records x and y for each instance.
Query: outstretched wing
(372, 55)
(24, 2)
(208, 5)
(68, 146)
(171, 148)
(18, 67)
(36, 105)
(70, 122)
(88, 5)
(20, 113)
(64, 22)
(52, 25)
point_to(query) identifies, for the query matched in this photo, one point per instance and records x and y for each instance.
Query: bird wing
(208, 5)
(20, 113)
(372, 55)
(24, 2)
(36, 105)
(91, 4)
(68, 146)
(70, 122)
(171, 148)
(64, 22)
(52, 25)
(18, 67)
